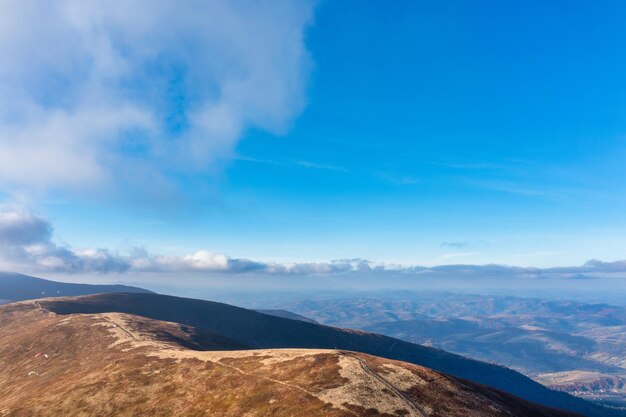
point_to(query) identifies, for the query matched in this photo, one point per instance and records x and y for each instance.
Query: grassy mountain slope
(126, 365)
(258, 330)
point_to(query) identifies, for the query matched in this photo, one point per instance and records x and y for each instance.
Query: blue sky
(494, 125)
(418, 133)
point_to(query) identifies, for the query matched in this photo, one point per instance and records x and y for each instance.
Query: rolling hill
(261, 331)
(57, 362)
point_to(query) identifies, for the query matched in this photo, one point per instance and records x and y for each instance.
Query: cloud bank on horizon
(95, 93)
(26, 243)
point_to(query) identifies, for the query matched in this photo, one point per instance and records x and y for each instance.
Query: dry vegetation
(125, 365)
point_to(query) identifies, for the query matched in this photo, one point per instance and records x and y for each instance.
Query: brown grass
(124, 365)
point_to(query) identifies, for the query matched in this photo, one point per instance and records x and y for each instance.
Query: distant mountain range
(17, 287)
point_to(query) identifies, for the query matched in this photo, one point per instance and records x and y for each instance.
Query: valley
(548, 340)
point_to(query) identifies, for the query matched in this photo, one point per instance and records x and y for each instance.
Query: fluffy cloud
(23, 229)
(93, 90)
(26, 243)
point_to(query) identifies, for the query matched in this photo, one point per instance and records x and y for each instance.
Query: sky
(312, 137)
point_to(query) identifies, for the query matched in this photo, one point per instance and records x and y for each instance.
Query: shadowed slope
(285, 314)
(18, 287)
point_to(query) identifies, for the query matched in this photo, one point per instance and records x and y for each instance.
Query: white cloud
(26, 244)
(201, 260)
(23, 228)
(92, 86)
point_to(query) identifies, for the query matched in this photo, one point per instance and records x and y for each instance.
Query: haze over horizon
(266, 142)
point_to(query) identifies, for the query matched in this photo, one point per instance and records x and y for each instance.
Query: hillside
(285, 314)
(529, 349)
(534, 336)
(126, 365)
(262, 331)
(18, 287)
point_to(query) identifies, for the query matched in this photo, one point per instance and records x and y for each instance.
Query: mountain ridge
(126, 365)
(258, 331)
(18, 287)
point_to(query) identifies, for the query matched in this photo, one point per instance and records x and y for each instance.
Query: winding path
(418, 412)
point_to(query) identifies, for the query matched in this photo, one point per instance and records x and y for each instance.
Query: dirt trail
(275, 381)
(118, 322)
(418, 412)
